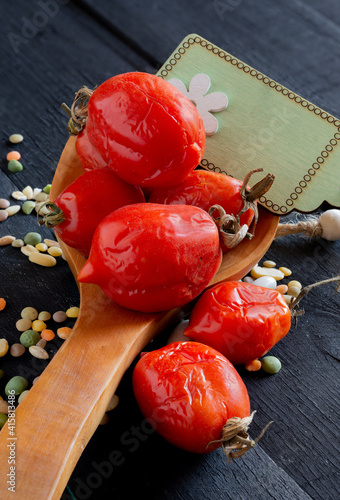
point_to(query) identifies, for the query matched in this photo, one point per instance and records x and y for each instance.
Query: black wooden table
(49, 49)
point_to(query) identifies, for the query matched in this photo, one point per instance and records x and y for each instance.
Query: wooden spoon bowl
(63, 409)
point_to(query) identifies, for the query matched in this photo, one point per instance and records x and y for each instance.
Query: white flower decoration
(205, 104)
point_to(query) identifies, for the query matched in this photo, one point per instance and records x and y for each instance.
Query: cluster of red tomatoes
(140, 214)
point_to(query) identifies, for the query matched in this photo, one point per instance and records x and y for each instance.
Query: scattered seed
(29, 338)
(270, 364)
(59, 316)
(288, 299)
(16, 138)
(41, 197)
(38, 352)
(64, 332)
(3, 420)
(2, 373)
(4, 203)
(41, 343)
(248, 279)
(28, 250)
(42, 247)
(23, 324)
(295, 283)
(15, 166)
(44, 316)
(28, 192)
(269, 263)
(18, 195)
(30, 313)
(17, 384)
(17, 350)
(40, 209)
(32, 238)
(38, 325)
(18, 243)
(47, 188)
(23, 395)
(72, 312)
(2, 304)
(105, 419)
(55, 251)
(12, 209)
(3, 407)
(47, 334)
(35, 380)
(13, 155)
(285, 271)
(266, 282)
(293, 291)
(6, 240)
(3, 215)
(42, 259)
(113, 403)
(259, 272)
(51, 243)
(3, 348)
(282, 289)
(36, 191)
(253, 366)
(28, 207)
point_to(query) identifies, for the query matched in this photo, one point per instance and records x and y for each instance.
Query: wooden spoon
(57, 418)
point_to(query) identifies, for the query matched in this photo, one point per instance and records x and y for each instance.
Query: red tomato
(240, 320)
(85, 202)
(205, 189)
(150, 257)
(89, 157)
(188, 391)
(147, 131)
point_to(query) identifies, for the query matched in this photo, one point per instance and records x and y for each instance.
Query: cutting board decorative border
(316, 153)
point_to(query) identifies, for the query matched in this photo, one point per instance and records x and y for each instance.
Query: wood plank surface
(85, 42)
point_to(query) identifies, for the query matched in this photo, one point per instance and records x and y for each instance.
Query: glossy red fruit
(147, 131)
(205, 189)
(188, 391)
(240, 320)
(151, 257)
(77, 211)
(89, 157)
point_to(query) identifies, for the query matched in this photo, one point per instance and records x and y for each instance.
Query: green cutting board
(265, 125)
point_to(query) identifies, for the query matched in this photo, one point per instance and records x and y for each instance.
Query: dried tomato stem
(79, 110)
(231, 232)
(53, 218)
(235, 440)
(294, 304)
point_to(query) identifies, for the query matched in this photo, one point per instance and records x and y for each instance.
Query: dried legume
(293, 291)
(295, 283)
(6, 240)
(28, 249)
(47, 188)
(23, 324)
(23, 395)
(12, 210)
(44, 316)
(2, 373)
(17, 350)
(29, 338)
(30, 313)
(285, 271)
(38, 352)
(64, 332)
(259, 272)
(42, 259)
(35, 380)
(17, 384)
(16, 138)
(32, 238)
(288, 299)
(59, 316)
(2, 304)
(3, 215)
(28, 207)
(13, 155)
(113, 403)
(105, 419)
(42, 247)
(41, 197)
(18, 195)
(18, 243)
(72, 312)
(248, 279)
(41, 343)
(47, 334)
(55, 251)
(3, 347)
(282, 289)
(3, 406)
(3, 420)
(253, 366)
(38, 325)
(4, 203)
(14, 166)
(270, 364)
(36, 191)
(28, 192)
(266, 281)
(269, 263)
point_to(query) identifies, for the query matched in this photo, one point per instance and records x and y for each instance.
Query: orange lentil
(13, 155)
(64, 332)
(253, 366)
(2, 304)
(47, 334)
(282, 289)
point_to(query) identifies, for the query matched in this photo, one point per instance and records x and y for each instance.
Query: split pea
(14, 166)
(28, 207)
(17, 384)
(30, 313)
(32, 238)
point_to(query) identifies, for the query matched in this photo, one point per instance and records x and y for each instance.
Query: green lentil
(28, 206)
(270, 364)
(29, 338)
(32, 239)
(14, 166)
(17, 384)
(3, 420)
(47, 188)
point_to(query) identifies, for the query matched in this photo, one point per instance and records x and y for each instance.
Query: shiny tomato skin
(205, 189)
(188, 391)
(150, 257)
(240, 320)
(147, 131)
(90, 198)
(89, 157)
